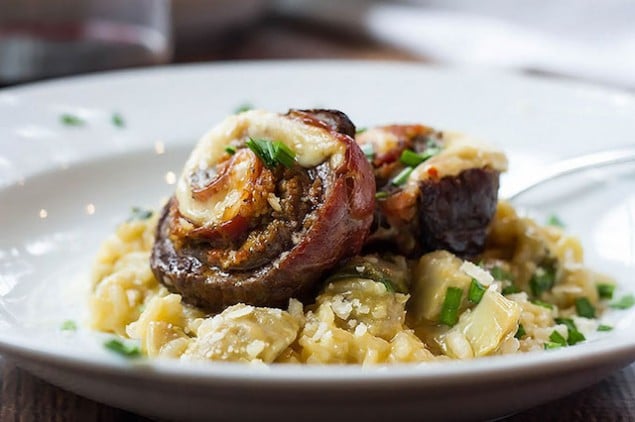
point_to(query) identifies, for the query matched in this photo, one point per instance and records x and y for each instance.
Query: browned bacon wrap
(285, 230)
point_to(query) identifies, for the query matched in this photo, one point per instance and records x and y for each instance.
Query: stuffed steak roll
(266, 204)
(435, 190)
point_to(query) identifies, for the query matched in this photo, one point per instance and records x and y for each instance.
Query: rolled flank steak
(266, 204)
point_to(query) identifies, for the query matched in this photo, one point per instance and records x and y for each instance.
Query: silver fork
(576, 164)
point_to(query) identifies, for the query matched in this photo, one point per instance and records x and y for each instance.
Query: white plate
(84, 180)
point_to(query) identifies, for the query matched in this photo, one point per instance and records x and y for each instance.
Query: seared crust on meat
(454, 211)
(318, 216)
(333, 119)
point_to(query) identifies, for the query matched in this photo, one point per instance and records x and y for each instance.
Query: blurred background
(582, 39)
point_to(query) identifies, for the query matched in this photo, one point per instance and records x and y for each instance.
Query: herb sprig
(476, 291)
(71, 120)
(68, 325)
(450, 308)
(124, 349)
(117, 120)
(625, 302)
(272, 153)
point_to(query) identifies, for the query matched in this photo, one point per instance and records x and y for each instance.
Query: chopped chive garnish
(557, 338)
(403, 175)
(520, 333)
(624, 302)
(117, 120)
(360, 130)
(476, 292)
(139, 214)
(554, 220)
(71, 120)
(566, 321)
(283, 154)
(68, 325)
(551, 345)
(230, 150)
(574, 336)
(603, 327)
(411, 158)
(450, 308)
(124, 349)
(381, 195)
(368, 150)
(500, 274)
(272, 153)
(510, 290)
(388, 284)
(542, 281)
(269, 150)
(242, 108)
(542, 303)
(584, 308)
(605, 291)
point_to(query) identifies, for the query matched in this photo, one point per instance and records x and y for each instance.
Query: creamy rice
(356, 320)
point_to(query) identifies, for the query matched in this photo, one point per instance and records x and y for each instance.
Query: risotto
(520, 295)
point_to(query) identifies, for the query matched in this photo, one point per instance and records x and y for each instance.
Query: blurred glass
(46, 38)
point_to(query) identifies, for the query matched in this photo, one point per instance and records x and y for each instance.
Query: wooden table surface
(25, 398)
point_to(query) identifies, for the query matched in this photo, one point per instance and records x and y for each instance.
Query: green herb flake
(139, 214)
(283, 154)
(549, 345)
(500, 274)
(554, 220)
(584, 308)
(117, 120)
(71, 120)
(402, 177)
(360, 130)
(390, 288)
(557, 338)
(69, 325)
(230, 150)
(566, 321)
(243, 107)
(520, 333)
(381, 195)
(542, 281)
(624, 302)
(605, 291)
(510, 290)
(272, 153)
(603, 327)
(476, 291)
(542, 303)
(574, 336)
(411, 158)
(368, 150)
(450, 308)
(123, 348)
